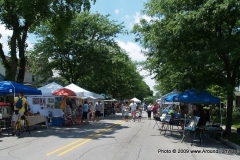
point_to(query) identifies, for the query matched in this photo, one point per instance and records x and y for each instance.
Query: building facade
(28, 77)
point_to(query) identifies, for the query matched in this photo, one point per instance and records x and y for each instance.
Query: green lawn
(233, 137)
(235, 122)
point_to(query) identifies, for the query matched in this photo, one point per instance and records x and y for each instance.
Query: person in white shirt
(92, 110)
(126, 112)
(149, 110)
(133, 107)
(98, 109)
(123, 109)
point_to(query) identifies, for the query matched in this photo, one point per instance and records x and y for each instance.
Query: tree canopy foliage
(193, 44)
(23, 16)
(80, 46)
(89, 56)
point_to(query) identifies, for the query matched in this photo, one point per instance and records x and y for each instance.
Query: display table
(34, 120)
(213, 130)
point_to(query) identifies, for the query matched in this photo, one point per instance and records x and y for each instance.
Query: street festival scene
(140, 79)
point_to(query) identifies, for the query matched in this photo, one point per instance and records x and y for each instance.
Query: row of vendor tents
(12, 88)
(189, 96)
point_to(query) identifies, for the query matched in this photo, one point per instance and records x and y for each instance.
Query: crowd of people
(83, 113)
(132, 110)
(152, 109)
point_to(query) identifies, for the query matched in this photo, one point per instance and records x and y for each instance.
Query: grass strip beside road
(235, 121)
(69, 147)
(233, 137)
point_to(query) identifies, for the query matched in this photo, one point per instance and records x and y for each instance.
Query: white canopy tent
(82, 92)
(79, 91)
(136, 100)
(50, 88)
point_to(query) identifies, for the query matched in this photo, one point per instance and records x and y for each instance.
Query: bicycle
(21, 126)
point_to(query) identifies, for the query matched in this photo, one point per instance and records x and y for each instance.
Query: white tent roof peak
(136, 100)
(79, 91)
(74, 86)
(50, 88)
(83, 92)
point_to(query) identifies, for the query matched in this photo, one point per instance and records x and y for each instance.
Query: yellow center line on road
(82, 141)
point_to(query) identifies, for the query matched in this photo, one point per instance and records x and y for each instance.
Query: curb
(229, 143)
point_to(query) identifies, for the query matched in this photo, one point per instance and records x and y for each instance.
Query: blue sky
(126, 11)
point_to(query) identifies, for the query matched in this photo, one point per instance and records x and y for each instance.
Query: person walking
(98, 109)
(139, 115)
(133, 107)
(19, 104)
(123, 109)
(149, 110)
(126, 113)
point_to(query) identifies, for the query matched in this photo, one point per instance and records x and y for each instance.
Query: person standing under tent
(133, 107)
(154, 109)
(80, 112)
(85, 112)
(98, 110)
(92, 109)
(19, 111)
(89, 111)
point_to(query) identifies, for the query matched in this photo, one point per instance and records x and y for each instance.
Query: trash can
(57, 121)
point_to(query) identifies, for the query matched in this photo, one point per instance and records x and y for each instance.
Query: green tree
(84, 49)
(89, 57)
(22, 16)
(193, 44)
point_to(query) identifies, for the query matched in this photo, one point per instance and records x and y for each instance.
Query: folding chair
(191, 127)
(157, 119)
(166, 124)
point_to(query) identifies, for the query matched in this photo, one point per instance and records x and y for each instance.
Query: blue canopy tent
(11, 88)
(170, 97)
(194, 96)
(161, 100)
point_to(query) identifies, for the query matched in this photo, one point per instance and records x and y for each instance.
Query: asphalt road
(109, 139)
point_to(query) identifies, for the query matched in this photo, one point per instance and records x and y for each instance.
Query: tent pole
(221, 113)
(13, 89)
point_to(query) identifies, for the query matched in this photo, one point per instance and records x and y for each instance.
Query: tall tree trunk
(11, 74)
(22, 60)
(229, 114)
